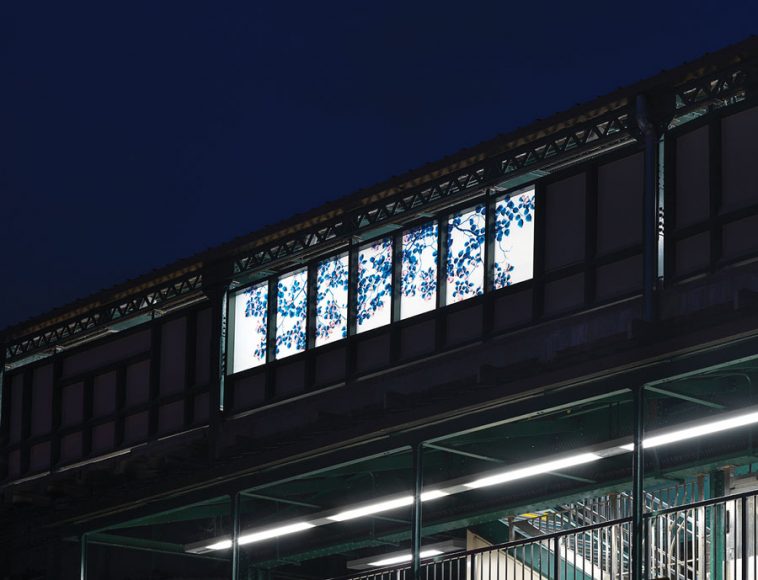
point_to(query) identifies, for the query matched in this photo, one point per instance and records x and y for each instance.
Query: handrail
(551, 540)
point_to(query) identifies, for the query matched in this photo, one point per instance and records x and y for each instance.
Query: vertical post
(556, 558)
(638, 459)
(718, 526)
(649, 209)
(223, 326)
(418, 484)
(235, 535)
(83, 557)
(743, 538)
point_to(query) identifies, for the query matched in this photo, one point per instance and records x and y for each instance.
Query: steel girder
(144, 302)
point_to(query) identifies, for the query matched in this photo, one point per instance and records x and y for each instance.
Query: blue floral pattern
(374, 295)
(465, 254)
(250, 327)
(331, 300)
(514, 239)
(418, 283)
(291, 312)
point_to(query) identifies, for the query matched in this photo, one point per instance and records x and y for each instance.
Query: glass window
(291, 311)
(373, 300)
(419, 276)
(331, 300)
(465, 254)
(250, 327)
(514, 239)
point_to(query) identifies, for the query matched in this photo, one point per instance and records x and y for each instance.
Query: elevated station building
(536, 358)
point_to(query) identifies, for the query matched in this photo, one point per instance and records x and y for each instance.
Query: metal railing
(713, 539)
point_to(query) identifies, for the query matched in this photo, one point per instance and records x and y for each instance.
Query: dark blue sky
(136, 133)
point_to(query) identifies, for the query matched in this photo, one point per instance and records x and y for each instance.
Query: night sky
(133, 134)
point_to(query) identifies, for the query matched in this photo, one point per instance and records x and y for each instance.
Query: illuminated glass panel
(331, 300)
(291, 311)
(250, 327)
(514, 239)
(465, 254)
(418, 287)
(373, 299)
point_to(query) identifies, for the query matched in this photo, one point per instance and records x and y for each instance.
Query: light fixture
(274, 533)
(454, 487)
(222, 545)
(696, 431)
(532, 470)
(433, 494)
(249, 537)
(373, 508)
(404, 558)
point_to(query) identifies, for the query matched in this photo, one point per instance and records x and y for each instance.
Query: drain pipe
(649, 208)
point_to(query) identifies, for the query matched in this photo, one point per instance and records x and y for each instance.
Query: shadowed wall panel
(564, 222)
(738, 158)
(619, 212)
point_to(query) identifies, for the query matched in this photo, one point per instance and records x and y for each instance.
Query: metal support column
(83, 557)
(638, 478)
(718, 526)
(418, 478)
(649, 209)
(235, 536)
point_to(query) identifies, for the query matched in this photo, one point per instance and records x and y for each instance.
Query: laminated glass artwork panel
(291, 313)
(465, 254)
(513, 255)
(374, 295)
(250, 327)
(331, 300)
(418, 288)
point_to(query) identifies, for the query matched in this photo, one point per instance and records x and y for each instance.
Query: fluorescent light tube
(274, 533)
(222, 545)
(696, 431)
(433, 494)
(405, 558)
(373, 508)
(538, 469)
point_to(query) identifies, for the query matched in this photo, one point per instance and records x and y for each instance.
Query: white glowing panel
(418, 283)
(250, 327)
(291, 312)
(331, 300)
(513, 255)
(465, 255)
(374, 296)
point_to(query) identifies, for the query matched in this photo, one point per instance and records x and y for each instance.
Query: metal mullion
(538, 276)
(273, 287)
(715, 191)
(311, 303)
(352, 308)
(489, 263)
(311, 296)
(443, 230)
(395, 299)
